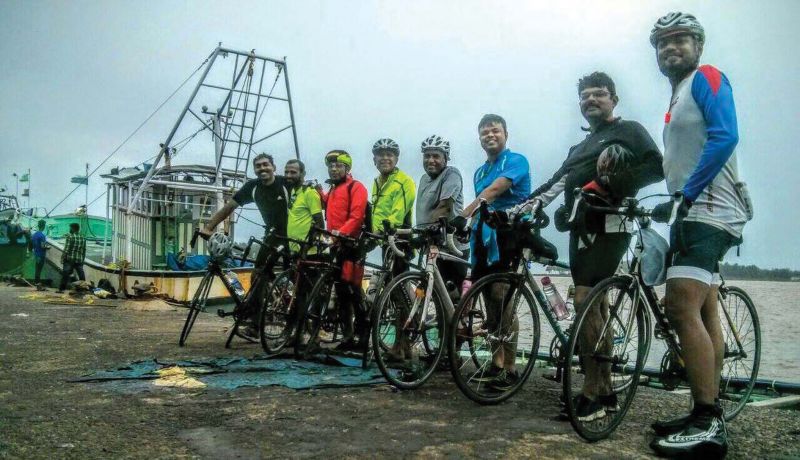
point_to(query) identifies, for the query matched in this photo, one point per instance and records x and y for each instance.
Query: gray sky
(78, 77)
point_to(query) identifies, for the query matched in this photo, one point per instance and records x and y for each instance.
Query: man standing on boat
(270, 194)
(700, 137)
(345, 209)
(503, 181)
(615, 159)
(73, 256)
(39, 241)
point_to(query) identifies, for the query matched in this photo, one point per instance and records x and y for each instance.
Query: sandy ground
(44, 416)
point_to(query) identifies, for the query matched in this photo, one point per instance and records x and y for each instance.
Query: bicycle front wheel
(306, 340)
(276, 322)
(407, 348)
(197, 305)
(610, 340)
(494, 339)
(741, 332)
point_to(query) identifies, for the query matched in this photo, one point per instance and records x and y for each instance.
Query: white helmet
(386, 144)
(435, 142)
(219, 246)
(677, 22)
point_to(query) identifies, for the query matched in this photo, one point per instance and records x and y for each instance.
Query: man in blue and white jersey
(700, 137)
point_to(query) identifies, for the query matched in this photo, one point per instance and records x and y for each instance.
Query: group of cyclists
(614, 161)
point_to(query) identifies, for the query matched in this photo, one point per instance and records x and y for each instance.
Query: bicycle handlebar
(629, 208)
(442, 228)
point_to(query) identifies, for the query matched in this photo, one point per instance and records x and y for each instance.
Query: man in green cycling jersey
(305, 204)
(393, 194)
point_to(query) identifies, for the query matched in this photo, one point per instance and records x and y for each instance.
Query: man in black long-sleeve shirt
(615, 160)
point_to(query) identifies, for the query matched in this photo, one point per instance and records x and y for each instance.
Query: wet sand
(44, 416)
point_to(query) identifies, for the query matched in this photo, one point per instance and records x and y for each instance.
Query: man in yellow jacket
(393, 194)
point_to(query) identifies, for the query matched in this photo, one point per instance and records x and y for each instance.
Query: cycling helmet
(613, 160)
(435, 142)
(339, 156)
(386, 144)
(219, 246)
(675, 23)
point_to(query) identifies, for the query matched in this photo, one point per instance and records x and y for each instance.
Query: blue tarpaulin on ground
(232, 373)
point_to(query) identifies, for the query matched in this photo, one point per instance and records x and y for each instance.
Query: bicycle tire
(735, 390)
(275, 323)
(197, 305)
(310, 318)
(472, 383)
(595, 429)
(385, 308)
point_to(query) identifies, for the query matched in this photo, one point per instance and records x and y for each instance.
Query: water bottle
(233, 280)
(557, 304)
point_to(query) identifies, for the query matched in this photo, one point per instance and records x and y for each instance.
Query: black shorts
(590, 265)
(696, 250)
(505, 243)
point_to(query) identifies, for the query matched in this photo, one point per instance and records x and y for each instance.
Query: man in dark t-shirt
(268, 191)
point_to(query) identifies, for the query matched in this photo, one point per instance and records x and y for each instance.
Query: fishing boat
(153, 208)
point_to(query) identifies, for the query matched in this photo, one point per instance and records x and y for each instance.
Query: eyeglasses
(599, 94)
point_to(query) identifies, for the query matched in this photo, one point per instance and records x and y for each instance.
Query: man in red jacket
(345, 209)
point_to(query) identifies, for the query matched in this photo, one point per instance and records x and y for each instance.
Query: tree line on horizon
(752, 272)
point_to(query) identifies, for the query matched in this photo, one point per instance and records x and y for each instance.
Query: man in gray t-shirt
(440, 193)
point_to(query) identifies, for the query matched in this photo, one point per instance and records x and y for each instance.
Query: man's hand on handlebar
(528, 207)
(671, 211)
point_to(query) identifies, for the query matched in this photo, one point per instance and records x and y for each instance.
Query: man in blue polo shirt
(503, 182)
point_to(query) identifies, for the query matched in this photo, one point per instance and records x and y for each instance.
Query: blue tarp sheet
(232, 373)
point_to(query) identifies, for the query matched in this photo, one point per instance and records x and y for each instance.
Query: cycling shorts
(696, 250)
(591, 265)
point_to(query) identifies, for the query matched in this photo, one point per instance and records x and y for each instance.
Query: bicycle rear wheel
(610, 339)
(276, 323)
(496, 322)
(741, 332)
(394, 332)
(197, 305)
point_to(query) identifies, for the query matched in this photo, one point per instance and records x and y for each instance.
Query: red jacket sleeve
(358, 207)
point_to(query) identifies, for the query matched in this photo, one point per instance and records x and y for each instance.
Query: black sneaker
(587, 410)
(610, 402)
(668, 427)
(505, 380)
(705, 437)
(488, 375)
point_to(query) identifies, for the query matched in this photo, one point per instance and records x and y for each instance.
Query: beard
(678, 71)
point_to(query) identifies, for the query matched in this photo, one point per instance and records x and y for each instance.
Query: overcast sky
(78, 77)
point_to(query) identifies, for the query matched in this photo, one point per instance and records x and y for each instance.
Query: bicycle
(618, 347)
(214, 270)
(486, 329)
(320, 313)
(413, 310)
